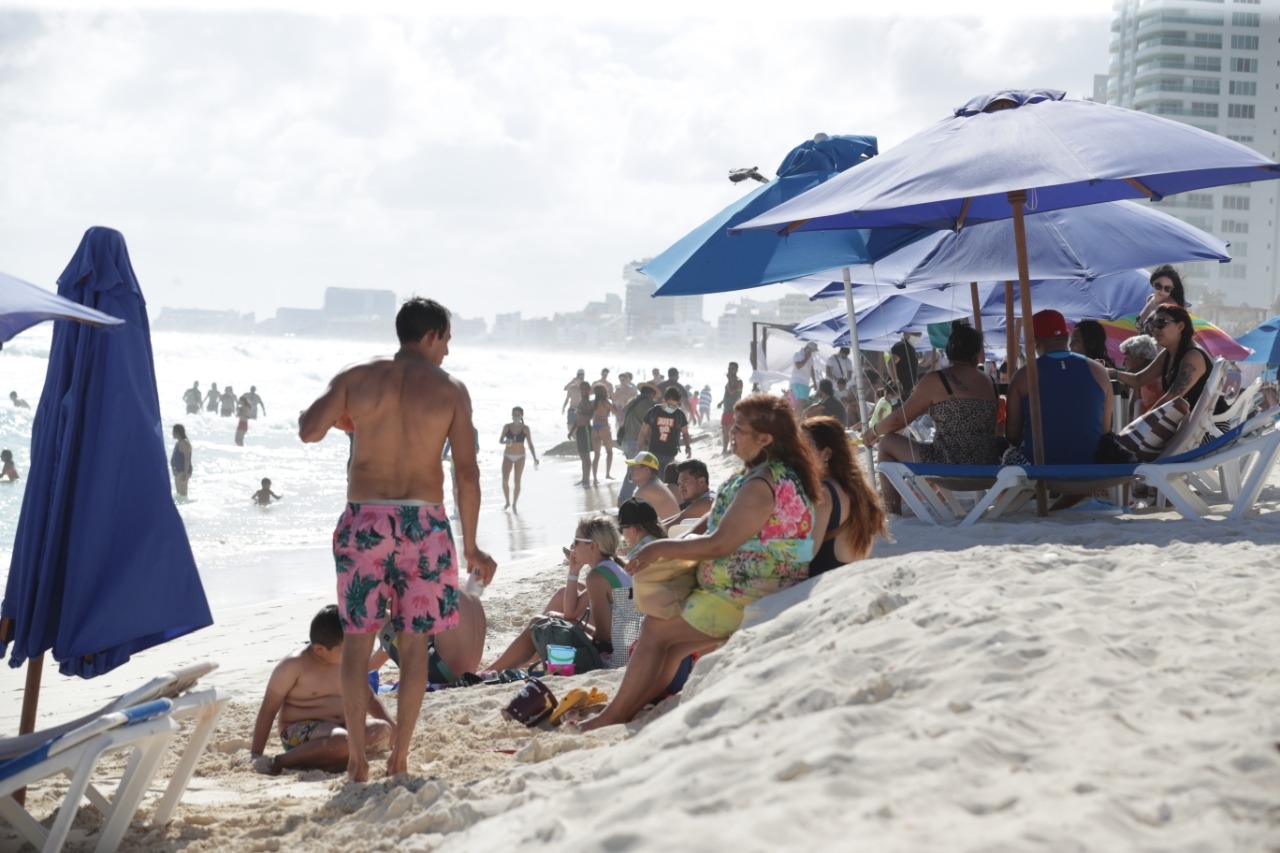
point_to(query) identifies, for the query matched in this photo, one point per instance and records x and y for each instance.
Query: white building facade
(1214, 64)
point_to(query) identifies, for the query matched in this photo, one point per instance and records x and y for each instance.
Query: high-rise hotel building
(1214, 64)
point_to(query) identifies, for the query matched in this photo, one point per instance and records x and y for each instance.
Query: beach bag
(532, 704)
(661, 589)
(555, 631)
(1148, 435)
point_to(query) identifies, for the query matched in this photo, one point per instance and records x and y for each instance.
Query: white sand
(1075, 683)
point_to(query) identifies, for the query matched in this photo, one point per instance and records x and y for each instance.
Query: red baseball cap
(1049, 324)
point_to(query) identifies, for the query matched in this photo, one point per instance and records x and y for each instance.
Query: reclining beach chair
(203, 707)
(146, 729)
(1246, 453)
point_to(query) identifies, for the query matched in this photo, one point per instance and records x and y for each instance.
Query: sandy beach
(1073, 683)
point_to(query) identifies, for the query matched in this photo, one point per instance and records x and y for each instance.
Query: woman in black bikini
(852, 516)
(515, 436)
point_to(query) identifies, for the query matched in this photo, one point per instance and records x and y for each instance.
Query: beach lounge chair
(203, 707)
(1241, 460)
(146, 729)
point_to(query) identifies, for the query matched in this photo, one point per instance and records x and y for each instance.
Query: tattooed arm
(1189, 373)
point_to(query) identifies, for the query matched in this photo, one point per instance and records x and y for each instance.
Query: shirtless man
(393, 544)
(732, 394)
(306, 694)
(649, 486)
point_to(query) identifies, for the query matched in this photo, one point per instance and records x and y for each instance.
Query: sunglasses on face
(1158, 322)
(1163, 288)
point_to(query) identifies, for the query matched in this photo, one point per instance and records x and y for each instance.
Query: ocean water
(249, 554)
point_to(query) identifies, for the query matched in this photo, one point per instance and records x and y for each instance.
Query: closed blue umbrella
(1264, 341)
(22, 305)
(1008, 153)
(101, 566)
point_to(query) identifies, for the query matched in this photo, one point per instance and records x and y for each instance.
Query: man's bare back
(400, 411)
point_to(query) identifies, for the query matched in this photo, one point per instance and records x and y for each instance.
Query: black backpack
(555, 631)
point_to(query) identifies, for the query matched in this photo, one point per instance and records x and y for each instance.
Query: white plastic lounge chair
(1249, 449)
(204, 707)
(146, 729)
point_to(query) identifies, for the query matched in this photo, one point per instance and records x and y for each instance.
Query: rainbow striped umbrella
(1215, 341)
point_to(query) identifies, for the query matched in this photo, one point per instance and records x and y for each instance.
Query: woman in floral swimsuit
(759, 540)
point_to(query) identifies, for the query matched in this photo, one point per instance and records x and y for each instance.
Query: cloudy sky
(254, 154)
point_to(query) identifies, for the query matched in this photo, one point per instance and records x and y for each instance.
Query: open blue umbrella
(1104, 298)
(1077, 243)
(101, 566)
(1007, 153)
(1264, 341)
(22, 305)
(710, 260)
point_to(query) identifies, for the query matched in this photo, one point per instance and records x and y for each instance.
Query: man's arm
(282, 680)
(688, 445)
(315, 422)
(1108, 399)
(466, 474)
(644, 434)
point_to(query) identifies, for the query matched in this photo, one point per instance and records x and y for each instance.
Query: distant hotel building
(1214, 65)
(647, 314)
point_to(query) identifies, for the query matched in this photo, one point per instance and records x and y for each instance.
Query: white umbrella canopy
(23, 305)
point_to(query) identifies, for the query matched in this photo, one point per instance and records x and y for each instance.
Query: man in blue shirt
(1075, 399)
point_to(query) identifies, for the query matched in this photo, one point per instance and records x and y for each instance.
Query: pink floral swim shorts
(396, 562)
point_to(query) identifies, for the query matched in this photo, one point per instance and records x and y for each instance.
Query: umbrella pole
(859, 377)
(977, 310)
(1017, 199)
(1010, 330)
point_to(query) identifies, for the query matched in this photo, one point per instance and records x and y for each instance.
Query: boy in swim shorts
(305, 693)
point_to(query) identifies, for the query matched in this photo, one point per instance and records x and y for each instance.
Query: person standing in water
(8, 471)
(193, 398)
(264, 496)
(732, 394)
(212, 398)
(180, 460)
(514, 439)
(393, 545)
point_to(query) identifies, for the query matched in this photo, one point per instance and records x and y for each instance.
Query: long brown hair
(867, 518)
(773, 416)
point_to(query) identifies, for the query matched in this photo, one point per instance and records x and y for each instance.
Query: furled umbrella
(1005, 154)
(101, 565)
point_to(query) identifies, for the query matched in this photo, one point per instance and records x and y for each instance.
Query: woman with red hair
(759, 541)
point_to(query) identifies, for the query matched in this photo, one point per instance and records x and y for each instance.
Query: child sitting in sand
(306, 694)
(264, 495)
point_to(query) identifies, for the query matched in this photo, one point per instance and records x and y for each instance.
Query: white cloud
(499, 162)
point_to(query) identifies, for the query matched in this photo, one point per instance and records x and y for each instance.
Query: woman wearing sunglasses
(1166, 287)
(596, 590)
(1181, 365)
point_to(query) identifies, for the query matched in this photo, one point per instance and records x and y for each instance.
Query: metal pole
(859, 377)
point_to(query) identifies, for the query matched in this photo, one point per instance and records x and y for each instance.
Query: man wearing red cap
(1075, 400)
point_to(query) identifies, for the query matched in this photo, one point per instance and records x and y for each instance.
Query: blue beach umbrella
(1077, 243)
(23, 305)
(101, 566)
(1264, 341)
(1104, 298)
(710, 260)
(1009, 153)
